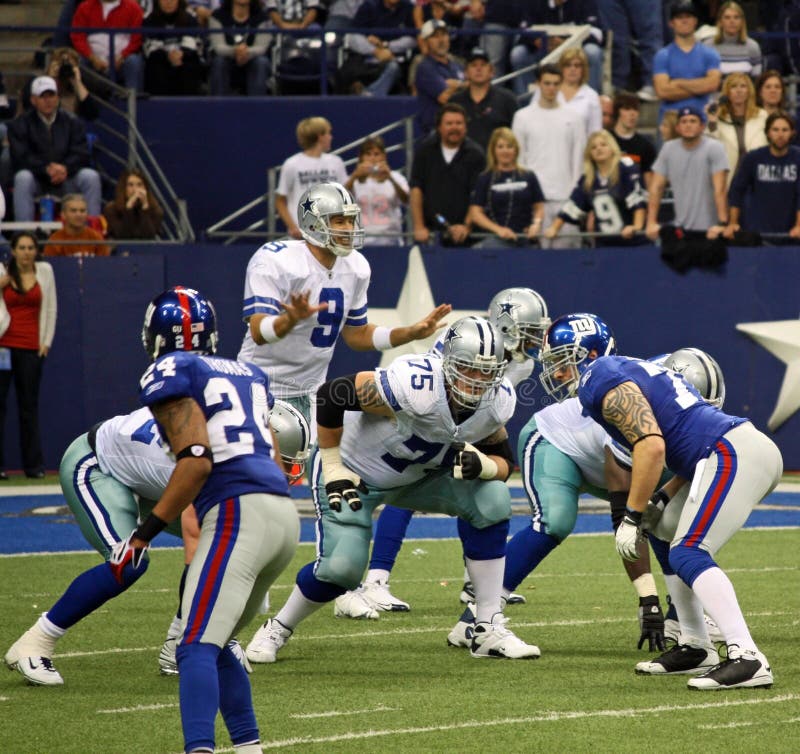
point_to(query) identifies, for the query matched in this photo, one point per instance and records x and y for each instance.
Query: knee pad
(484, 544)
(690, 562)
(320, 591)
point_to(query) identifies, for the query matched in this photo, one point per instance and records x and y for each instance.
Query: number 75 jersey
(388, 453)
(298, 363)
(234, 400)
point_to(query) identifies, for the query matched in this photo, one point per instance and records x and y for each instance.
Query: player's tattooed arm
(626, 408)
(370, 396)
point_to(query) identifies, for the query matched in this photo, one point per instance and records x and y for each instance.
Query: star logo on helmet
(451, 335)
(507, 308)
(309, 206)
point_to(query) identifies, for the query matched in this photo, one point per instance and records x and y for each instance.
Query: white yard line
(339, 713)
(137, 708)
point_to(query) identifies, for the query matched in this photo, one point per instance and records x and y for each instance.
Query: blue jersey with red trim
(234, 399)
(690, 425)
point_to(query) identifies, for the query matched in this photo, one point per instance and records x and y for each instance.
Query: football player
(520, 315)
(300, 296)
(723, 465)
(409, 442)
(213, 413)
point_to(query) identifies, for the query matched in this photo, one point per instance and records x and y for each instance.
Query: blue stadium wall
(97, 357)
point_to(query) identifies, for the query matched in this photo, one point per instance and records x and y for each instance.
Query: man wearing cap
(685, 72)
(438, 76)
(49, 153)
(487, 107)
(697, 169)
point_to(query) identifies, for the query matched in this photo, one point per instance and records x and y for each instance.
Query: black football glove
(651, 624)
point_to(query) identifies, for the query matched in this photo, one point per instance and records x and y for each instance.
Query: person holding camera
(381, 192)
(134, 212)
(64, 68)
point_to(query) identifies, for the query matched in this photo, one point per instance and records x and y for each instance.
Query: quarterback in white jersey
(411, 445)
(301, 295)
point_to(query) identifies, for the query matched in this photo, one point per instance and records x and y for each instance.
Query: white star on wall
(781, 339)
(415, 301)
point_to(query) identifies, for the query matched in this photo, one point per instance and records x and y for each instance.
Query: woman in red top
(27, 326)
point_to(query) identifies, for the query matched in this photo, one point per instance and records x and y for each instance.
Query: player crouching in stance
(724, 466)
(408, 443)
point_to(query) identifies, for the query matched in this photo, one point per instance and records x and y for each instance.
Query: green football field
(393, 685)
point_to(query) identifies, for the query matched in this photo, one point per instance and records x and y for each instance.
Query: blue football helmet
(473, 360)
(568, 343)
(179, 319)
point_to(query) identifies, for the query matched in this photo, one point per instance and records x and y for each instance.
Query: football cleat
(31, 655)
(378, 595)
(354, 605)
(264, 646)
(495, 640)
(682, 659)
(167, 663)
(461, 635)
(744, 668)
(468, 595)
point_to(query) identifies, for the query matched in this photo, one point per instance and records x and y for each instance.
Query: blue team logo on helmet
(570, 344)
(179, 319)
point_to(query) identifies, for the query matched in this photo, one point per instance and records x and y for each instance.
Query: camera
(375, 168)
(65, 71)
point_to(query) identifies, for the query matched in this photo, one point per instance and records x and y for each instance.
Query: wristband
(635, 517)
(197, 450)
(381, 339)
(148, 529)
(267, 329)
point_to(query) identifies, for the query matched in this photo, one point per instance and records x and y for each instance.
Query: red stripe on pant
(714, 497)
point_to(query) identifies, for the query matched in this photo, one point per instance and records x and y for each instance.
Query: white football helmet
(700, 370)
(473, 360)
(520, 314)
(317, 206)
(291, 429)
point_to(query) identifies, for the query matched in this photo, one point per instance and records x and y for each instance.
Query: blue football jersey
(234, 399)
(689, 424)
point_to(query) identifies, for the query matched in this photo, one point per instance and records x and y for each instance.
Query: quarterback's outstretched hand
(651, 624)
(341, 484)
(298, 307)
(430, 324)
(627, 535)
(124, 553)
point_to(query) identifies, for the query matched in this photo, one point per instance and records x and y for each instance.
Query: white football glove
(341, 484)
(472, 464)
(628, 534)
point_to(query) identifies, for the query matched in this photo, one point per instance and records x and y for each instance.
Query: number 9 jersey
(389, 453)
(234, 400)
(297, 364)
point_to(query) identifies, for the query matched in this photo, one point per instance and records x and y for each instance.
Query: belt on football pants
(91, 436)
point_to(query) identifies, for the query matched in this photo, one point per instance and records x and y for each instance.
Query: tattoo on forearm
(368, 395)
(175, 416)
(628, 410)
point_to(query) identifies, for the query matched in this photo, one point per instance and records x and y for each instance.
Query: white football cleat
(31, 655)
(495, 640)
(167, 663)
(264, 646)
(378, 595)
(354, 605)
(682, 659)
(461, 635)
(744, 668)
(239, 654)
(468, 595)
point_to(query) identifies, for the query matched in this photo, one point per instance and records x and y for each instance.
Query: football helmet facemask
(472, 360)
(179, 319)
(568, 344)
(700, 370)
(315, 210)
(291, 430)
(520, 315)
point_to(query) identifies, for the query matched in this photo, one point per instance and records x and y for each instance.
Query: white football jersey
(389, 453)
(579, 437)
(129, 448)
(297, 364)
